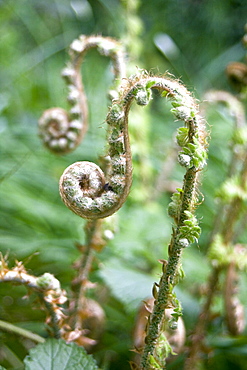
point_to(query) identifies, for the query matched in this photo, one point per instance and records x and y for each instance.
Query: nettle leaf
(56, 354)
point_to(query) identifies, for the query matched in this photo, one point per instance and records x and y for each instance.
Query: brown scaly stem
(234, 310)
(92, 230)
(226, 231)
(86, 315)
(199, 332)
(236, 110)
(198, 336)
(235, 207)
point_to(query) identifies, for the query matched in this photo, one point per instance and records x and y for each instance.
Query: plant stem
(169, 276)
(225, 226)
(11, 357)
(234, 208)
(92, 230)
(20, 331)
(199, 333)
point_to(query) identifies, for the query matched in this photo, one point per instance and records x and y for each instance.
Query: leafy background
(192, 39)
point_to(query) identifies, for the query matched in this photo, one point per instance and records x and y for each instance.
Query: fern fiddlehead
(89, 194)
(77, 184)
(60, 131)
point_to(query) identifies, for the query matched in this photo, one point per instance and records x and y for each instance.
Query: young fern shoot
(84, 188)
(60, 131)
(86, 191)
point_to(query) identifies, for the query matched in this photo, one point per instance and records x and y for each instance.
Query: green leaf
(150, 84)
(56, 354)
(128, 285)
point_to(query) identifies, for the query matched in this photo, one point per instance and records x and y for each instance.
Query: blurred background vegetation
(192, 39)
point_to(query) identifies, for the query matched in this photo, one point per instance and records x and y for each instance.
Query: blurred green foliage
(194, 40)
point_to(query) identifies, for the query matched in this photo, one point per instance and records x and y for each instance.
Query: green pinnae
(115, 114)
(190, 229)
